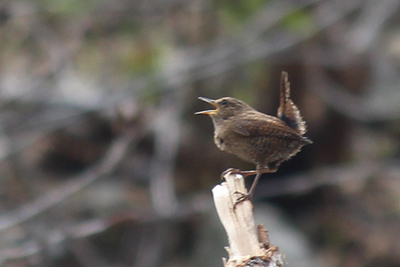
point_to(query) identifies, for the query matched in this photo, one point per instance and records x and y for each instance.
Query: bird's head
(225, 107)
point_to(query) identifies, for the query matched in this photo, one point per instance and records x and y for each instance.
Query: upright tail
(288, 111)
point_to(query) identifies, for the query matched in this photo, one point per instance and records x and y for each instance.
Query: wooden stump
(248, 245)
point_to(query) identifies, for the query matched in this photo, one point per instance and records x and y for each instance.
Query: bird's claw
(243, 197)
(230, 171)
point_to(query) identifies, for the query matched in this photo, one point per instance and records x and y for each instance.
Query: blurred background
(103, 162)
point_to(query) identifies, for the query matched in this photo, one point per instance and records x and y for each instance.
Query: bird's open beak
(209, 101)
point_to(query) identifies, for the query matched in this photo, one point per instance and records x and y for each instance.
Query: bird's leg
(249, 195)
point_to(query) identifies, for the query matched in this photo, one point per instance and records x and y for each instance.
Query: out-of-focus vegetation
(102, 162)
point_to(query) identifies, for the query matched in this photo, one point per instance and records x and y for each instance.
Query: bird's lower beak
(209, 101)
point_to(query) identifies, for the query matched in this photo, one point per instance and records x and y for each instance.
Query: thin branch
(110, 161)
(53, 238)
(365, 33)
(238, 51)
(189, 207)
(167, 132)
(333, 175)
(364, 108)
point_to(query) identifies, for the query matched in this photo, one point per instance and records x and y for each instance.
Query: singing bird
(255, 137)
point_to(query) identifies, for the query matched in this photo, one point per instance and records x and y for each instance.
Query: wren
(255, 137)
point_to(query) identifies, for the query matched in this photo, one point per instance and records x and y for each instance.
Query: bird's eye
(224, 102)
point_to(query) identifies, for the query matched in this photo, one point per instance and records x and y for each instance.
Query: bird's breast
(219, 141)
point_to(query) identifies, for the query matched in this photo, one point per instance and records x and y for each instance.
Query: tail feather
(288, 111)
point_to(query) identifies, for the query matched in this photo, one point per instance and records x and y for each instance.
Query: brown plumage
(255, 137)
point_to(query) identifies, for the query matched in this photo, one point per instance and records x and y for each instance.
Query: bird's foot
(243, 197)
(231, 171)
(237, 171)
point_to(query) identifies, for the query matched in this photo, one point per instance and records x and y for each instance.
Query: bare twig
(363, 108)
(331, 175)
(167, 130)
(37, 206)
(363, 35)
(237, 51)
(88, 228)
(53, 238)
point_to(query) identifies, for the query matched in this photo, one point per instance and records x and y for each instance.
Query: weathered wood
(248, 245)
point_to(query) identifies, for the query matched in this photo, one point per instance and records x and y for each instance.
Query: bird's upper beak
(209, 101)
